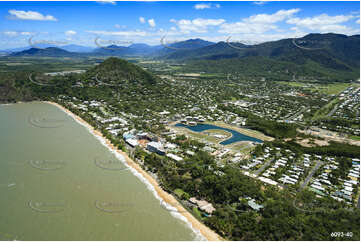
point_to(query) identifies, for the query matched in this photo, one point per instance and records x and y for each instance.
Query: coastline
(206, 232)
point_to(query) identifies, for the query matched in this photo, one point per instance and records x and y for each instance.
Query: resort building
(174, 157)
(156, 147)
(203, 205)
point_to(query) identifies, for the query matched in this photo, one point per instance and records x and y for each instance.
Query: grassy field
(330, 89)
(249, 132)
(333, 89)
(325, 110)
(179, 192)
(354, 137)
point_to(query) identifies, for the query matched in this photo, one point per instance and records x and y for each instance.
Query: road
(308, 178)
(332, 111)
(298, 113)
(263, 167)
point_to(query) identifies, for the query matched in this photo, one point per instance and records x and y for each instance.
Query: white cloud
(253, 38)
(244, 27)
(151, 22)
(142, 20)
(15, 33)
(118, 26)
(120, 33)
(10, 33)
(358, 21)
(30, 15)
(107, 2)
(26, 33)
(325, 24)
(70, 32)
(259, 23)
(272, 18)
(201, 6)
(197, 25)
(259, 3)
(322, 19)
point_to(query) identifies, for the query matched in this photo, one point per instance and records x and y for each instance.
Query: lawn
(197, 213)
(325, 110)
(330, 89)
(334, 88)
(354, 137)
(179, 192)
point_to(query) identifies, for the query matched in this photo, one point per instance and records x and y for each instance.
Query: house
(189, 152)
(156, 147)
(143, 135)
(128, 136)
(252, 203)
(268, 181)
(132, 142)
(203, 205)
(170, 146)
(174, 157)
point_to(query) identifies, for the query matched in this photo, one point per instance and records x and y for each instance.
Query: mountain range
(313, 55)
(138, 49)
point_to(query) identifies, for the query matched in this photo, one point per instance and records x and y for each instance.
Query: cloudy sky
(108, 22)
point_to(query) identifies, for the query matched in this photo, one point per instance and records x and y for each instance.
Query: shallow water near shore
(58, 182)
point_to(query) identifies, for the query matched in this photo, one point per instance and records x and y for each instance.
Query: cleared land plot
(248, 132)
(330, 89)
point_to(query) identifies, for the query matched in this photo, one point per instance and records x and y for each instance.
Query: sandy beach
(206, 232)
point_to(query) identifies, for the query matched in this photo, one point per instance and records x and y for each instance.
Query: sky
(101, 23)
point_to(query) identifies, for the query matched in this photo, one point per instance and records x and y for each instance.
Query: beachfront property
(203, 205)
(156, 147)
(293, 170)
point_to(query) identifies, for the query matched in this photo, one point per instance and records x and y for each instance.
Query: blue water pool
(236, 136)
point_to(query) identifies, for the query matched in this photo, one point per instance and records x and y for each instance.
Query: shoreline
(248, 132)
(195, 225)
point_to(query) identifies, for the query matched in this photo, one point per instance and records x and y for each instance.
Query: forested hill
(116, 71)
(112, 73)
(321, 56)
